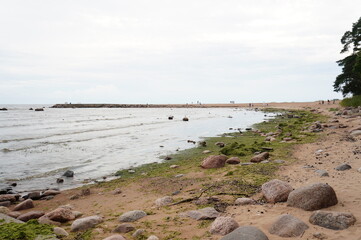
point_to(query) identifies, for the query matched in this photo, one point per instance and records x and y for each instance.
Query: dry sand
(163, 221)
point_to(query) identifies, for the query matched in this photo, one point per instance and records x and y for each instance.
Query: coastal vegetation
(354, 101)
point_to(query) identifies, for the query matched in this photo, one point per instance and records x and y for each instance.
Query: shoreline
(140, 192)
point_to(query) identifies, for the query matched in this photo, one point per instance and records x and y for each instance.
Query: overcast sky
(165, 51)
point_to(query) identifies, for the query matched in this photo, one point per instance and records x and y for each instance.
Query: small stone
(115, 237)
(203, 214)
(179, 175)
(117, 191)
(246, 233)
(74, 197)
(279, 161)
(60, 232)
(174, 166)
(30, 215)
(206, 151)
(152, 237)
(355, 133)
(24, 205)
(50, 193)
(288, 226)
(343, 167)
(138, 233)
(322, 173)
(85, 223)
(359, 170)
(223, 225)
(164, 201)
(260, 157)
(85, 192)
(220, 144)
(246, 163)
(77, 214)
(132, 216)
(233, 160)
(244, 201)
(59, 180)
(332, 220)
(124, 228)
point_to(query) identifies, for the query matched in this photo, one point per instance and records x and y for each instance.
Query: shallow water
(38, 147)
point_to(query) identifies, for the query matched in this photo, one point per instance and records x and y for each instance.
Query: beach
(325, 149)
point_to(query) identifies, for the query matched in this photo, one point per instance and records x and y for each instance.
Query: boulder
(60, 232)
(260, 157)
(322, 173)
(14, 214)
(223, 225)
(332, 220)
(115, 237)
(85, 223)
(313, 197)
(214, 161)
(50, 193)
(233, 160)
(30, 215)
(245, 233)
(164, 201)
(68, 173)
(33, 195)
(124, 228)
(60, 215)
(276, 191)
(24, 205)
(288, 226)
(45, 220)
(132, 216)
(8, 197)
(244, 201)
(343, 167)
(203, 214)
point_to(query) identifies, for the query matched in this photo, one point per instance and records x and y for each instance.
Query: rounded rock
(214, 161)
(132, 216)
(223, 225)
(288, 226)
(276, 191)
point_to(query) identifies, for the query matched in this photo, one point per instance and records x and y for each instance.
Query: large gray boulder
(313, 197)
(246, 233)
(203, 214)
(85, 223)
(332, 220)
(276, 191)
(288, 226)
(223, 225)
(132, 216)
(214, 161)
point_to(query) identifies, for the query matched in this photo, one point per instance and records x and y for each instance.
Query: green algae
(24, 231)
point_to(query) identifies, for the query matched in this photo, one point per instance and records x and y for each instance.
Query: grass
(24, 231)
(354, 101)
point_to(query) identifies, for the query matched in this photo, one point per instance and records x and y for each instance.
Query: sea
(37, 147)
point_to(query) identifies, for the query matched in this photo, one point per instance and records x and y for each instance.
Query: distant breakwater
(99, 105)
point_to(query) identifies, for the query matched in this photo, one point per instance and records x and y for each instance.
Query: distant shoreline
(100, 105)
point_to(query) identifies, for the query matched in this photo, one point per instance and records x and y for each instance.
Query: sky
(167, 51)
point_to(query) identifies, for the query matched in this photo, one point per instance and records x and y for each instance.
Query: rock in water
(343, 167)
(132, 216)
(260, 157)
(223, 225)
(68, 173)
(332, 220)
(24, 205)
(246, 233)
(214, 161)
(313, 197)
(82, 224)
(288, 226)
(276, 191)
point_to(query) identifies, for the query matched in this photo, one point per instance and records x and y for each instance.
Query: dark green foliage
(349, 81)
(24, 231)
(354, 101)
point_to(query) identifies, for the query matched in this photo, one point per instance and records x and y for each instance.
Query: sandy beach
(333, 147)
